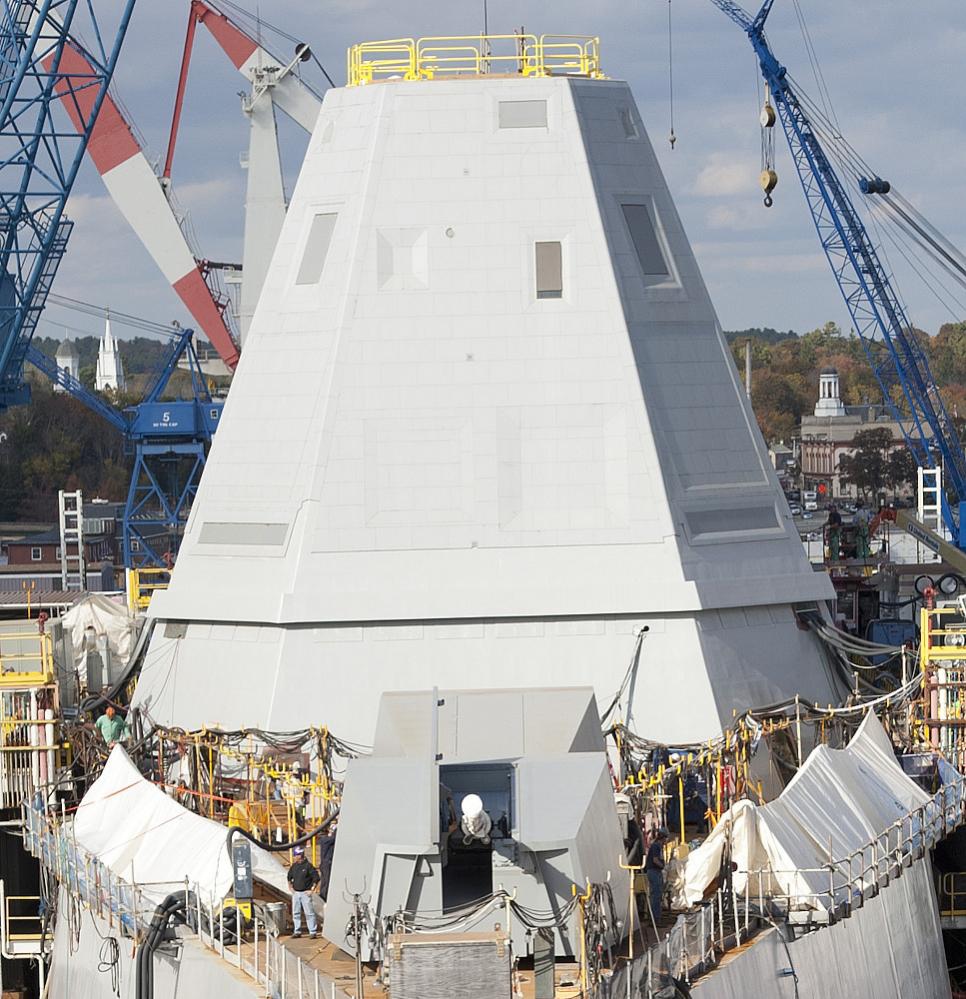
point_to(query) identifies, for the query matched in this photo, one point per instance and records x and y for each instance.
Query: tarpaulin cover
(107, 617)
(142, 835)
(839, 801)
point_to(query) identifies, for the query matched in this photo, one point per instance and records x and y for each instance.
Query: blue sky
(893, 70)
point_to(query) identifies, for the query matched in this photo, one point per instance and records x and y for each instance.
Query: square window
(36, 554)
(549, 269)
(523, 114)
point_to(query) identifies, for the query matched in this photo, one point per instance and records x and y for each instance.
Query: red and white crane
(145, 200)
(273, 83)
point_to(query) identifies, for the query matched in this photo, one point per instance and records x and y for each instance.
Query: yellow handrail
(15, 666)
(142, 583)
(446, 56)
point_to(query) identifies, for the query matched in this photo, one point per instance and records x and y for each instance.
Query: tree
(901, 469)
(866, 468)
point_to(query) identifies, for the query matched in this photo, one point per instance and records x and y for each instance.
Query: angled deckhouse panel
(486, 428)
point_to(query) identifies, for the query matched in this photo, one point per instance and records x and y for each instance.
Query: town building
(829, 434)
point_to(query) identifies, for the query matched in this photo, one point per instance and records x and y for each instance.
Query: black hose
(280, 847)
(144, 962)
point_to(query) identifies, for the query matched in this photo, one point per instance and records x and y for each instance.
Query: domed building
(68, 359)
(830, 432)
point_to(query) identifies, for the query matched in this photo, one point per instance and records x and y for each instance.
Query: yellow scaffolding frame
(13, 673)
(142, 585)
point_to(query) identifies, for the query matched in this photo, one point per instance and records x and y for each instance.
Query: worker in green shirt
(112, 726)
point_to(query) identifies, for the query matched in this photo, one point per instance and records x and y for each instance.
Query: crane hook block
(767, 117)
(768, 181)
(874, 185)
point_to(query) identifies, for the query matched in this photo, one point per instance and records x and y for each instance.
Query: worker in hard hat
(302, 878)
(654, 869)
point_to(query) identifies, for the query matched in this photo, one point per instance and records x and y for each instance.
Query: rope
(672, 138)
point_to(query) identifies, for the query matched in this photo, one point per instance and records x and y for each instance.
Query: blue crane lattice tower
(897, 358)
(168, 439)
(39, 158)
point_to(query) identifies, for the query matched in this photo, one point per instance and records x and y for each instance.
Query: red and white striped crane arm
(138, 194)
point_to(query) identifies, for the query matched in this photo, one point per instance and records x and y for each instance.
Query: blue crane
(897, 358)
(168, 440)
(39, 159)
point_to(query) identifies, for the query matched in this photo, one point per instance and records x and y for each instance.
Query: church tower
(486, 431)
(110, 371)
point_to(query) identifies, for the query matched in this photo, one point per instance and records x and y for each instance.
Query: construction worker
(834, 533)
(302, 878)
(654, 869)
(112, 727)
(863, 517)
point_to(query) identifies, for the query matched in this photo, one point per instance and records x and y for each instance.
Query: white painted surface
(449, 451)
(77, 972)
(289, 94)
(264, 208)
(892, 948)
(137, 192)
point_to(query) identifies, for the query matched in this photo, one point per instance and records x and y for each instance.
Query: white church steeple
(110, 371)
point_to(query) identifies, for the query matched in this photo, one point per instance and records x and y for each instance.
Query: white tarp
(142, 835)
(839, 801)
(108, 618)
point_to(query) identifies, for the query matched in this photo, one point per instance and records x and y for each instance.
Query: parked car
(796, 509)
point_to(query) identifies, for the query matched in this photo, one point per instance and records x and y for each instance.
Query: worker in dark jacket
(326, 853)
(654, 869)
(302, 878)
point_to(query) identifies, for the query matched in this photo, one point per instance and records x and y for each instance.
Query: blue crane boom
(897, 358)
(39, 159)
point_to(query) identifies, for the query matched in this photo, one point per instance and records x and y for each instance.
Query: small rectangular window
(640, 225)
(316, 249)
(36, 554)
(135, 545)
(549, 267)
(523, 114)
(57, 555)
(628, 123)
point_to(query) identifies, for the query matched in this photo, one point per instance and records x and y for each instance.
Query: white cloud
(725, 175)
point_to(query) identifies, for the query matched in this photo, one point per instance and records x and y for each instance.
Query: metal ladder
(73, 567)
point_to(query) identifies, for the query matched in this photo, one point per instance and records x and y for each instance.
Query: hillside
(785, 372)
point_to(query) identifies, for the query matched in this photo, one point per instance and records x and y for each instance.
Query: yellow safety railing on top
(26, 660)
(445, 57)
(141, 585)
